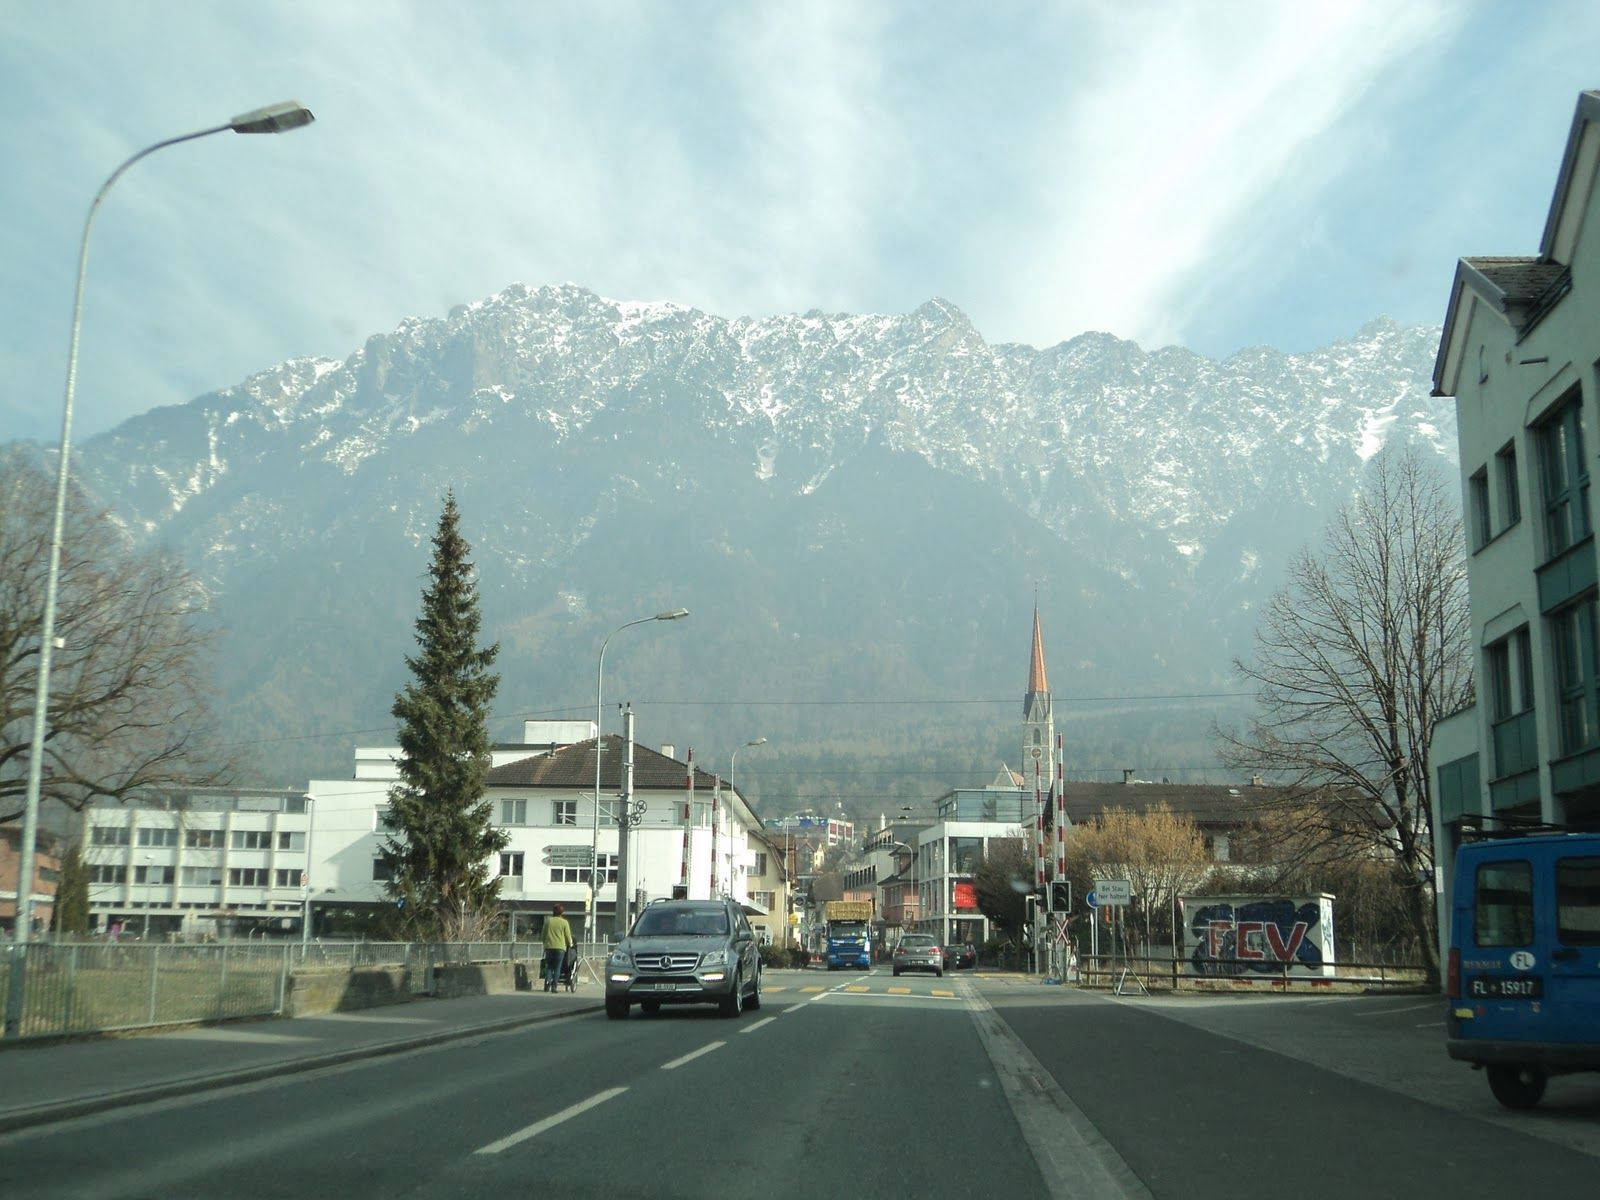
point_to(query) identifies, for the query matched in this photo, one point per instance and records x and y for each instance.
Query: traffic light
(1061, 895)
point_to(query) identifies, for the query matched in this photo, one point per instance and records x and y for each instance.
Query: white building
(209, 863)
(543, 793)
(1521, 355)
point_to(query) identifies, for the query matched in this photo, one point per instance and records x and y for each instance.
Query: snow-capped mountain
(855, 507)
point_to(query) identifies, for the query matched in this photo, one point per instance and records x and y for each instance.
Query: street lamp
(594, 833)
(760, 741)
(276, 118)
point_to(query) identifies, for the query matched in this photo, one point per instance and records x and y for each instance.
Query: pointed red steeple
(1037, 683)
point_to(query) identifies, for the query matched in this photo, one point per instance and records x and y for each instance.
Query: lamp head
(275, 118)
(672, 615)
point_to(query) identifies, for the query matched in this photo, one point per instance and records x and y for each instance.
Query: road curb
(65, 1110)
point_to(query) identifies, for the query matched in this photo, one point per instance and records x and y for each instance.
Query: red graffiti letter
(1275, 940)
(1244, 948)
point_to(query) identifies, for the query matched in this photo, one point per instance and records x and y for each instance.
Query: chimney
(1127, 775)
(1255, 781)
(668, 750)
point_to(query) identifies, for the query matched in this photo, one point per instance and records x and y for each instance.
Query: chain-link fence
(95, 987)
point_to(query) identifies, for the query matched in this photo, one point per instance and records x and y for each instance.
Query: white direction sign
(1112, 893)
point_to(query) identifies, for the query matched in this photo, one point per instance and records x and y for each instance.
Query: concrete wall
(315, 992)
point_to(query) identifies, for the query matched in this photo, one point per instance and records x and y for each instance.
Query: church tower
(1038, 718)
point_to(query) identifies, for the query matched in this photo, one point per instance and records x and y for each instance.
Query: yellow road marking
(937, 992)
(899, 991)
(811, 989)
(779, 988)
(858, 989)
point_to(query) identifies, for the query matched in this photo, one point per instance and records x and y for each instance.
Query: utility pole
(624, 822)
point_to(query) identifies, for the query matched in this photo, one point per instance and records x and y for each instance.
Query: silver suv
(685, 952)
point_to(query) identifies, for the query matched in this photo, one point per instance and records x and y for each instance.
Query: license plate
(1506, 987)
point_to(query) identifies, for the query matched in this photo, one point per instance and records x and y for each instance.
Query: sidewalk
(55, 1081)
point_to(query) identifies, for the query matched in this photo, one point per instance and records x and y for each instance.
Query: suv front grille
(666, 962)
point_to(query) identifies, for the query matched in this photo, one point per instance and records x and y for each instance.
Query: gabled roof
(1523, 288)
(573, 767)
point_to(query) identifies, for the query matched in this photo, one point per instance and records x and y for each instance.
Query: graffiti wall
(1243, 935)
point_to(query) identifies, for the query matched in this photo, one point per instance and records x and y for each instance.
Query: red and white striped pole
(1061, 811)
(1038, 840)
(716, 815)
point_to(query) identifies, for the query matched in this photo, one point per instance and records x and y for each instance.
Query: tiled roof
(1038, 683)
(573, 767)
(1205, 804)
(1520, 280)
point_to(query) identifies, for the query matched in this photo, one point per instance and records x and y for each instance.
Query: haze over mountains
(855, 509)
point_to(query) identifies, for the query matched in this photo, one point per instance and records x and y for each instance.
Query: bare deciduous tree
(1361, 651)
(128, 711)
(1159, 852)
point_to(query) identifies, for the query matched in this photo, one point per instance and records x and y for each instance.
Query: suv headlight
(620, 958)
(714, 958)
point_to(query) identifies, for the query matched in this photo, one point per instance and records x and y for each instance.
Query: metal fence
(1124, 972)
(101, 987)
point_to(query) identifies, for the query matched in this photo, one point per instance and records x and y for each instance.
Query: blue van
(1523, 978)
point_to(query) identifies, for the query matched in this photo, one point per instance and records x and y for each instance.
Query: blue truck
(849, 933)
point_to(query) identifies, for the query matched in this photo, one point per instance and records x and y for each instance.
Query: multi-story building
(46, 874)
(771, 902)
(543, 797)
(206, 863)
(1520, 353)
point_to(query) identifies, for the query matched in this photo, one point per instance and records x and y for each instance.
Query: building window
(285, 878)
(382, 872)
(110, 835)
(760, 867)
(1510, 491)
(566, 812)
(1478, 508)
(202, 876)
(202, 839)
(252, 839)
(158, 837)
(1573, 647)
(247, 877)
(103, 873)
(608, 871)
(514, 812)
(1564, 476)
(511, 863)
(154, 874)
(291, 841)
(385, 820)
(1498, 670)
(766, 900)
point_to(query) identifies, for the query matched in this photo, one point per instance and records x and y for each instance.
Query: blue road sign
(1091, 899)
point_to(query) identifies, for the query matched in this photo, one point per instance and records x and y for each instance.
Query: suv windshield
(681, 922)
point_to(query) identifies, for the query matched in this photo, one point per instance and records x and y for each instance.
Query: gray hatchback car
(685, 952)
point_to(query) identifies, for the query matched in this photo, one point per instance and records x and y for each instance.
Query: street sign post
(1113, 893)
(569, 856)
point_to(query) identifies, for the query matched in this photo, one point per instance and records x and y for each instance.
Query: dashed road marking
(812, 988)
(758, 1024)
(678, 1062)
(939, 992)
(903, 991)
(550, 1122)
(857, 988)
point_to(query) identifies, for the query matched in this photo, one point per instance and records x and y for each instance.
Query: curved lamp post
(276, 118)
(760, 741)
(674, 614)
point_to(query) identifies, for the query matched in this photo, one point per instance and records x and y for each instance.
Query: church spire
(1037, 683)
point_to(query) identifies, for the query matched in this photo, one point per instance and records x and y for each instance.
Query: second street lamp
(276, 118)
(674, 614)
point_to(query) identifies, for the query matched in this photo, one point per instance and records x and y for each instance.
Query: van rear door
(1574, 1000)
(1502, 970)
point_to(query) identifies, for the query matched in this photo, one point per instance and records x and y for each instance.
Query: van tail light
(1453, 974)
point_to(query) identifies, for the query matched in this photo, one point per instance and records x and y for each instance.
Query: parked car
(685, 952)
(1523, 978)
(918, 952)
(962, 956)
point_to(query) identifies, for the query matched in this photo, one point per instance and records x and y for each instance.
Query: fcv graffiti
(1230, 939)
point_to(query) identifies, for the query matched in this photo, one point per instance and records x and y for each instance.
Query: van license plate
(1506, 987)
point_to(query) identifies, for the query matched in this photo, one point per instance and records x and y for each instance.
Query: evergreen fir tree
(439, 854)
(70, 914)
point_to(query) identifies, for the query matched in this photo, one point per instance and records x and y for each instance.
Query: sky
(1212, 174)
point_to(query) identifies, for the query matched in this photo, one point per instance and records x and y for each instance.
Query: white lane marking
(1389, 1012)
(1429, 1025)
(789, 1008)
(678, 1062)
(758, 1024)
(1073, 1157)
(538, 1127)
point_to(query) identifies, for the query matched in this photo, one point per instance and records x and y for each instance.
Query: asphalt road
(862, 1086)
